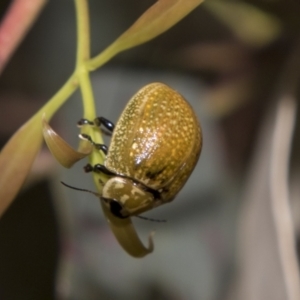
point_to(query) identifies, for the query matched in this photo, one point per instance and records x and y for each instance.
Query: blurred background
(233, 231)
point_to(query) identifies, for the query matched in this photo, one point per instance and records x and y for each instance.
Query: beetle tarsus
(83, 122)
(86, 137)
(88, 168)
(101, 147)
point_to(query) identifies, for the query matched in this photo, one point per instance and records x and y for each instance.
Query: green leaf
(157, 19)
(16, 159)
(126, 235)
(61, 150)
(20, 151)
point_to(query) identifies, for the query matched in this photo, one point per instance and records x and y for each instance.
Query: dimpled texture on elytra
(157, 140)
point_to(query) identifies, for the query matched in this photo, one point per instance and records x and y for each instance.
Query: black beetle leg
(102, 169)
(101, 147)
(106, 123)
(97, 122)
(88, 168)
(98, 168)
(82, 122)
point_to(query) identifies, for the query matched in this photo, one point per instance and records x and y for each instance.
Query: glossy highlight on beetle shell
(156, 142)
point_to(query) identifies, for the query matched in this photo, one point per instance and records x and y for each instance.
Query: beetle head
(124, 198)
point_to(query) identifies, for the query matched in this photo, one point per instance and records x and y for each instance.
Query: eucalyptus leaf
(126, 235)
(157, 19)
(60, 149)
(16, 159)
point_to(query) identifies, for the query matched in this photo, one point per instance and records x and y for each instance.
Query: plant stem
(83, 56)
(83, 32)
(87, 95)
(82, 73)
(60, 97)
(103, 57)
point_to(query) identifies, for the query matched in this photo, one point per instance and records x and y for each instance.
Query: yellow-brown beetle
(154, 148)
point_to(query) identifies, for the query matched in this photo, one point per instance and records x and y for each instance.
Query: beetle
(154, 148)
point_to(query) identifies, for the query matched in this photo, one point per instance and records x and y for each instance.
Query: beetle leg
(109, 126)
(101, 147)
(106, 123)
(98, 168)
(97, 122)
(82, 122)
(88, 168)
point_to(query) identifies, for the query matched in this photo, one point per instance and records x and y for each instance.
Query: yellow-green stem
(60, 97)
(79, 75)
(103, 57)
(87, 94)
(83, 32)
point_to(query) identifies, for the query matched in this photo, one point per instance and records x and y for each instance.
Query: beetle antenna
(152, 220)
(78, 189)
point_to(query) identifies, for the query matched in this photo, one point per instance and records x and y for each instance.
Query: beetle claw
(88, 168)
(83, 122)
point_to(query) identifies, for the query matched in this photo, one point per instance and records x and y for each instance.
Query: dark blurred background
(234, 61)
